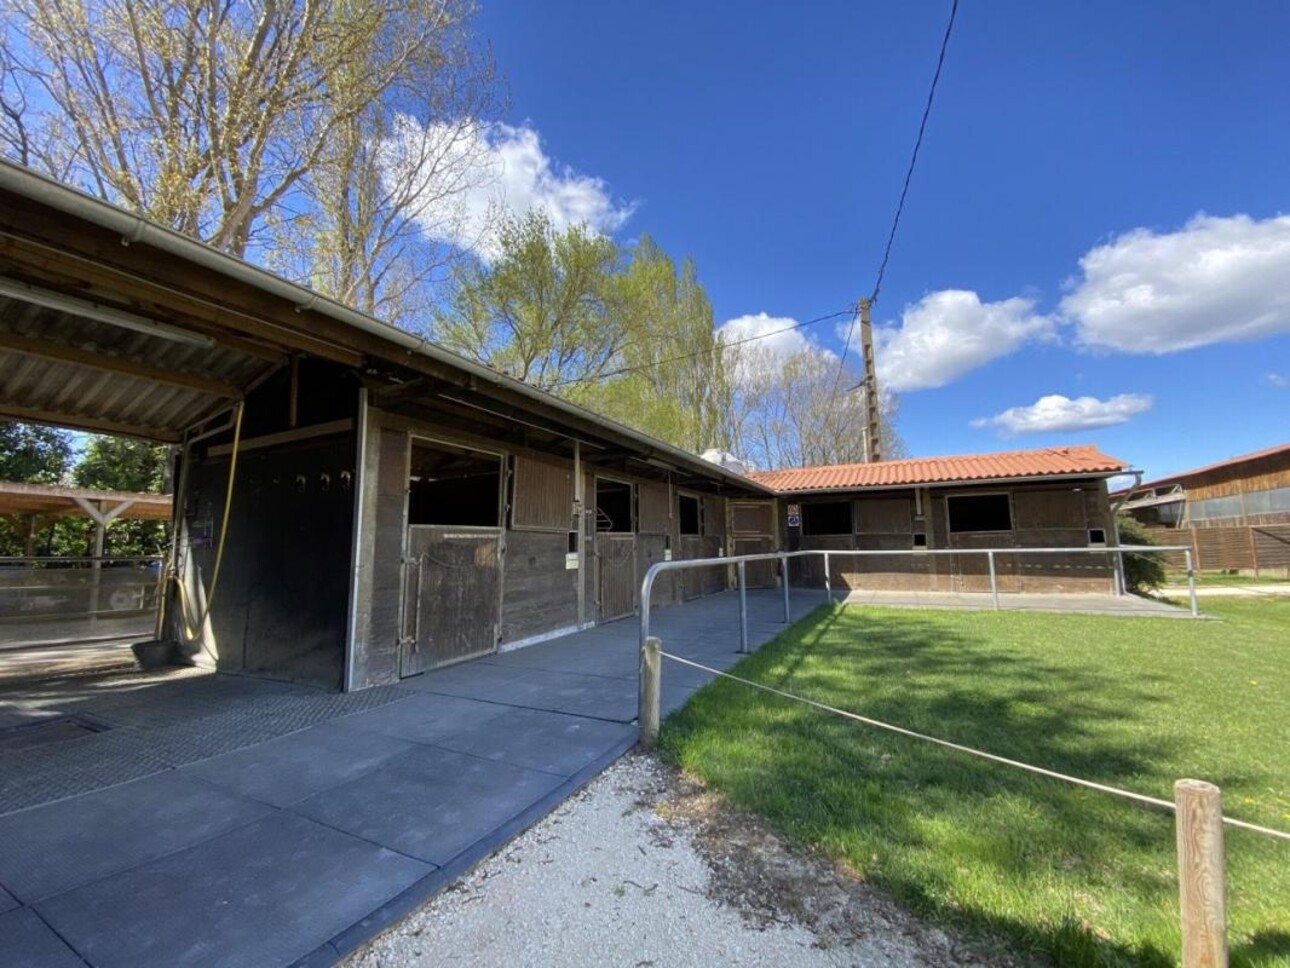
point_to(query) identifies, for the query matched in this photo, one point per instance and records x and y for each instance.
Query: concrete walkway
(325, 817)
(1014, 602)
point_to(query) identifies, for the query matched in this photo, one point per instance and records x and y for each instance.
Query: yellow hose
(191, 634)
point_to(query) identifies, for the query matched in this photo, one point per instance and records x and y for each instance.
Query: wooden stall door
(616, 575)
(971, 573)
(753, 533)
(697, 582)
(454, 595)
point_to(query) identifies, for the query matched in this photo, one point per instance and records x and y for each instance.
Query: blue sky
(768, 141)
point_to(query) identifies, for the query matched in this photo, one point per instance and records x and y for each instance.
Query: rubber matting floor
(147, 722)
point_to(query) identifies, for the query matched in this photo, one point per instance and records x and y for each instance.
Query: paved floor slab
(425, 717)
(299, 765)
(430, 803)
(540, 740)
(265, 894)
(600, 697)
(28, 942)
(57, 846)
(296, 818)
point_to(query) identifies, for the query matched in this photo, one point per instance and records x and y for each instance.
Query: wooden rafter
(63, 353)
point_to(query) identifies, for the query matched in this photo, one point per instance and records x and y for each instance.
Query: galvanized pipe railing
(741, 576)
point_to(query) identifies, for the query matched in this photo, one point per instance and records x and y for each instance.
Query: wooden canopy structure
(33, 507)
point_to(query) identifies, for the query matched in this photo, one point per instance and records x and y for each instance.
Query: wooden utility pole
(872, 433)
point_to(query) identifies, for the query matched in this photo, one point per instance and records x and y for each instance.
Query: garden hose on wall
(192, 635)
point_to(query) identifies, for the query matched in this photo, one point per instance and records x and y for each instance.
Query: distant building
(1253, 489)
(1028, 499)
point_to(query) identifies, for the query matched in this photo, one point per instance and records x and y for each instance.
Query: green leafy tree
(669, 379)
(30, 454)
(547, 310)
(125, 464)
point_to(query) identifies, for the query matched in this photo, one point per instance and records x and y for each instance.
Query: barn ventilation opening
(688, 508)
(453, 486)
(829, 517)
(614, 510)
(980, 512)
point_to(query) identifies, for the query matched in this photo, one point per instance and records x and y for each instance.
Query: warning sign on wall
(794, 515)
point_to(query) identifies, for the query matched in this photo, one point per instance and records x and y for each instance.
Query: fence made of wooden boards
(1239, 548)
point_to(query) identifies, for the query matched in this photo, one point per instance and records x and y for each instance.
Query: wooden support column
(1201, 873)
(101, 519)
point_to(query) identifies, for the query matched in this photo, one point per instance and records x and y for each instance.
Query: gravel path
(644, 869)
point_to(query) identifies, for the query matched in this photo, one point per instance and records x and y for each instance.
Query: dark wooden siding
(282, 606)
(542, 495)
(616, 575)
(655, 516)
(539, 595)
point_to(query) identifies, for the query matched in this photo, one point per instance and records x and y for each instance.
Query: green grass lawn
(1071, 874)
(1220, 578)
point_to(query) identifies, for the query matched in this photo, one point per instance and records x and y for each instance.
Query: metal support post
(828, 582)
(994, 583)
(651, 690)
(743, 606)
(783, 574)
(1191, 584)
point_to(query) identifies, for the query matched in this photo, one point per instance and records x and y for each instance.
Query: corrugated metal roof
(1063, 461)
(81, 393)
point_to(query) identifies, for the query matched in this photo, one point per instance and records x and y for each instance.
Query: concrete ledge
(423, 890)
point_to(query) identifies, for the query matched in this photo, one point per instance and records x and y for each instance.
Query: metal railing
(77, 598)
(783, 557)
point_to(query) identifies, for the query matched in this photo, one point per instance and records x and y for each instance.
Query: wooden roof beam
(93, 424)
(63, 353)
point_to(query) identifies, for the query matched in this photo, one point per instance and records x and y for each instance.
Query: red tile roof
(1053, 461)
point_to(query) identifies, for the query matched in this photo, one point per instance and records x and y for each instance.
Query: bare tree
(786, 414)
(257, 127)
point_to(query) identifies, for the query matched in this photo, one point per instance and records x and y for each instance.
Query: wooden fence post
(1201, 887)
(651, 690)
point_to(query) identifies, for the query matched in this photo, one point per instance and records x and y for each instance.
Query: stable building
(1234, 514)
(355, 505)
(1030, 499)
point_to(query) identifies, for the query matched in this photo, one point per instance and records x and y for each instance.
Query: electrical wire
(913, 158)
(904, 191)
(721, 344)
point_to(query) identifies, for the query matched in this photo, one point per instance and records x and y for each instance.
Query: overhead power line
(904, 192)
(913, 158)
(720, 345)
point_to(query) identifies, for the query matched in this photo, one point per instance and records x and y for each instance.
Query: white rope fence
(971, 751)
(1197, 807)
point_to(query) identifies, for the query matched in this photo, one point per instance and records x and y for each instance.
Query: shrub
(1142, 572)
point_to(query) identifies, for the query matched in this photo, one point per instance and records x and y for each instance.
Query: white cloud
(782, 340)
(771, 341)
(1214, 280)
(1059, 414)
(1278, 380)
(948, 333)
(480, 171)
